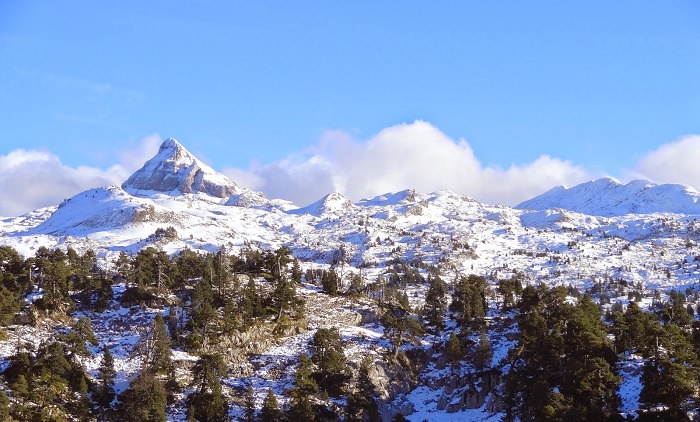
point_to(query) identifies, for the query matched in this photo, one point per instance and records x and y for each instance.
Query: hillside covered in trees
(190, 336)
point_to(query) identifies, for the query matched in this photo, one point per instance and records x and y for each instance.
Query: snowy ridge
(333, 203)
(92, 210)
(609, 197)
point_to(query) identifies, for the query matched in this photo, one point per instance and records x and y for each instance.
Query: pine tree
(327, 353)
(399, 325)
(296, 272)
(453, 350)
(143, 401)
(329, 281)
(285, 300)
(202, 315)
(670, 377)
(83, 327)
(270, 411)
(435, 302)
(483, 353)
(10, 304)
(249, 404)
(362, 405)
(469, 301)
(4, 407)
(305, 387)
(207, 403)
(251, 305)
(82, 407)
(20, 387)
(155, 347)
(508, 290)
(105, 381)
(562, 367)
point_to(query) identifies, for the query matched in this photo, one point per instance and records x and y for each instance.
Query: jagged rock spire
(174, 170)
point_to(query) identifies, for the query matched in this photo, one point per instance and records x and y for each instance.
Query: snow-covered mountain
(609, 197)
(333, 203)
(644, 234)
(174, 170)
(208, 210)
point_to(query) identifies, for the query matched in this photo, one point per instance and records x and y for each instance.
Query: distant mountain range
(209, 210)
(609, 197)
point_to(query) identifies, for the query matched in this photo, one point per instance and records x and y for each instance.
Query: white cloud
(31, 179)
(415, 155)
(675, 162)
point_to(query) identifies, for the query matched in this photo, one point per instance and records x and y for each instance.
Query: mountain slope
(612, 252)
(609, 197)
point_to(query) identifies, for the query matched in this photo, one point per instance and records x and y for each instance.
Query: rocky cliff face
(174, 171)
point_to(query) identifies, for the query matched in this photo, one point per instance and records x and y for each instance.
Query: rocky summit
(174, 170)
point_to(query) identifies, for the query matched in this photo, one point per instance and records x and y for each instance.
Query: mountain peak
(333, 203)
(174, 171)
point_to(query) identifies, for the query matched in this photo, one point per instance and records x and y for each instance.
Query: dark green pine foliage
(81, 334)
(207, 403)
(469, 301)
(203, 316)
(48, 386)
(453, 351)
(305, 388)
(104, 391)
(435, 302)
(13, 270)
(270, 411)
(481, 358)
(329, 281)
(191, 268)
(589, 379)
(675, 311)
(144, 401)
(144, 267)
(399, 325)
(10, 304)
(155, 347)
(251, 304)
(362, 404)
(327, 353)
(285, 301)
(562, 367)
(630, 329)
(52, 371)
(296, 273)
(103, 295)
(670, 375)
(509, 290)
(53, 276)
(249, 405)
(4, 407)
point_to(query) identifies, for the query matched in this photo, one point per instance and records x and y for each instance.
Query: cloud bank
(675, 162)
(415, 155)
(35, 179)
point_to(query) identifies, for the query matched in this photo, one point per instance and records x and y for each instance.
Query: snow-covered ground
(615, 247)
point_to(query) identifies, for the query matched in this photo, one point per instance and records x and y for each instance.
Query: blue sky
(255, 88)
